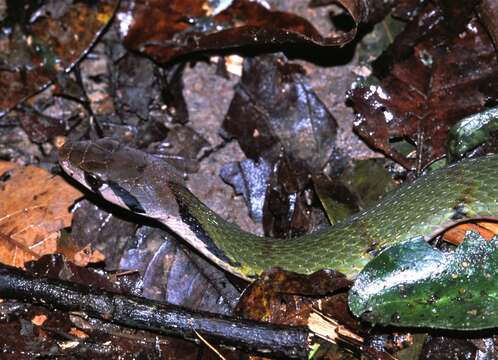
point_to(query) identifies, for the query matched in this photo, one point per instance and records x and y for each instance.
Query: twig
(140, 313)
(213, 349)
(330, 330)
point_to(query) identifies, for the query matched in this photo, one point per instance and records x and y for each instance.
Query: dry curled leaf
(164, 30)
(34, 206)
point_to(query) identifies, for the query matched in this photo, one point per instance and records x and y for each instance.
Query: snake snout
(87, 154)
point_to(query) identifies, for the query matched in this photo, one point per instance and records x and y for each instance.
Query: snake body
(146, 185)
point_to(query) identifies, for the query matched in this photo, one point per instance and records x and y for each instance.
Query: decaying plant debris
(284, 116)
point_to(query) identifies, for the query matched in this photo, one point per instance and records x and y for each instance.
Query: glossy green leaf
(472, 131)
(412, 284)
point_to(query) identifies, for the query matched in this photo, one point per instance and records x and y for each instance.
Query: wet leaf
(286, 211)
(287, 298)
(317, 300)
(249, 178)
(277, 117)
(97, 229)
(412, 284)
(358, 187)
(34, 207)
(165, 29)
(172, 273)
(275, 108)
(38, 42)
(472, 131)
(441, 68)
(452, 348)
(167, 270)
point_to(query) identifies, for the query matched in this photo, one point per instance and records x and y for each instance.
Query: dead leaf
(283, 297)
(38, 320)
(34, 206)
(78, 333)
(6, 166)
(456, 234)
(164, 30)
(428, 81)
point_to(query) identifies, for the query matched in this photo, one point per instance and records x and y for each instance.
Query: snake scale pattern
(148, 186)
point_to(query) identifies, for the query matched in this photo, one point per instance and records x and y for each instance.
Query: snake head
(127, 177)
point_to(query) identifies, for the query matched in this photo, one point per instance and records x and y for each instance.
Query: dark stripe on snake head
(128, 199)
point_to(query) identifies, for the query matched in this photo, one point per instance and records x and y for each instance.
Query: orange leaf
(38, 320)
(34, 207)
(455, 235)
(78, 333)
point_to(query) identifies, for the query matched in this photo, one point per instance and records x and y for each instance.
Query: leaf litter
(290, 122)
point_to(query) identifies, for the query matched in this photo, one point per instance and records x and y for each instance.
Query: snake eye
(94, 182)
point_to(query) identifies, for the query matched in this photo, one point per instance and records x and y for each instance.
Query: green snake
(148, 186)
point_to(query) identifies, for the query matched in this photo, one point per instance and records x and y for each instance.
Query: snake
(147, 185)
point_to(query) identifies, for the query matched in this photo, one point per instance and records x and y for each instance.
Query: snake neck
(423, 208)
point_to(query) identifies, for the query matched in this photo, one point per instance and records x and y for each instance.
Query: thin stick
(209, 345)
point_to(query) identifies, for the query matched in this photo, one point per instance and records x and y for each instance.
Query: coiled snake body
(146, 185)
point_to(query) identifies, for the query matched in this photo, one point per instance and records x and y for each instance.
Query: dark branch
(140, 313)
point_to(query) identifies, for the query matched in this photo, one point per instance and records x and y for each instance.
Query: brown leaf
(456, 234)
(444, 67)
(451, 347)
(38, 320)
(287, 298)
(6, 166)
(34, 206)
(318, 301)
(488, 12)
(170, 272)
(165, 29)
(362, 11)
